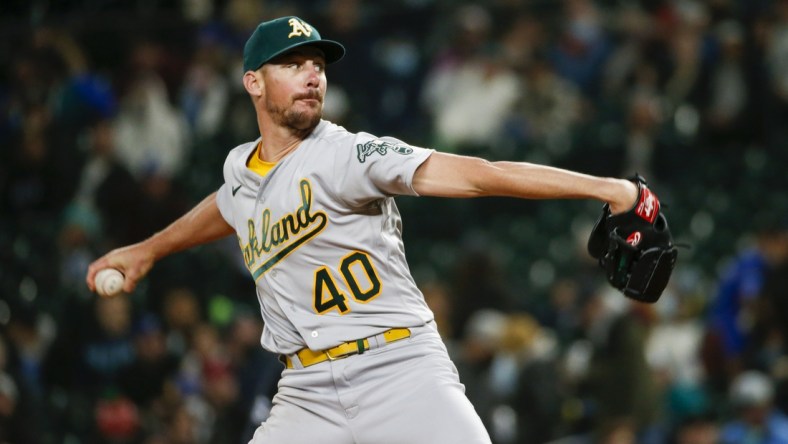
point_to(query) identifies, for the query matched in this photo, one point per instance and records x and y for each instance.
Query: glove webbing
(640, 275)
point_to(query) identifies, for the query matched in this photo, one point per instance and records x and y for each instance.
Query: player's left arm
(449, 175)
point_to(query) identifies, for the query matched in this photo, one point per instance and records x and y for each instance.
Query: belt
(310, 357)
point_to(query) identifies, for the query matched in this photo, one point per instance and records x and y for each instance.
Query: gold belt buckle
(336, 358)
(331, 358)
(360, 346)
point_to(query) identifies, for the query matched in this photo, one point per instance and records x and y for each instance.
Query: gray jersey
(321, 236)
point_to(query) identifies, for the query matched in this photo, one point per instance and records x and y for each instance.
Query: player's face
(295, 84)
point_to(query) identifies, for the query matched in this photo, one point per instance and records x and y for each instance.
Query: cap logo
(299, 28)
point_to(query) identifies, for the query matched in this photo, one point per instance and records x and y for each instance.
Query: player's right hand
(134, 261)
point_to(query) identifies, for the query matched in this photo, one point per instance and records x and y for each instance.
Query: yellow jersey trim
(258, 165)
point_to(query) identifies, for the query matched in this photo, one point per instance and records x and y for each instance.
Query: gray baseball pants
(406, 392)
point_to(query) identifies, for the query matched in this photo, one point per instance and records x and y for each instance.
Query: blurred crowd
(116, 116)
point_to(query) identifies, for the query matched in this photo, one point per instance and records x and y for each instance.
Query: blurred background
(116, 116)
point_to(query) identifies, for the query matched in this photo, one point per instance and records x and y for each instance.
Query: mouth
(310, 98)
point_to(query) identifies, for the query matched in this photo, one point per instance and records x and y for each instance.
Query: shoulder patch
(381, 147)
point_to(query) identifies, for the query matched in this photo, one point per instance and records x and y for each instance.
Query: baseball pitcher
(312, 207)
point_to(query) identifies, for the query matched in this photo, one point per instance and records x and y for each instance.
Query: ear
(253, 83)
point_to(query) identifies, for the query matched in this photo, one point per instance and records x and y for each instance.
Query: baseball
(109, 282)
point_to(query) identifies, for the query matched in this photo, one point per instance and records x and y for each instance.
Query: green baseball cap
(275, 37)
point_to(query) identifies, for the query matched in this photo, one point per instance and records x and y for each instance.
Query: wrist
(623, 197)
(153, 247)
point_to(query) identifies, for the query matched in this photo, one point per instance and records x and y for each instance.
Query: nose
(313, 75)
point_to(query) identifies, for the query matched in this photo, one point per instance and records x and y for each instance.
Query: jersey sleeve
(378, 167)
(232, 177)
(224, 202)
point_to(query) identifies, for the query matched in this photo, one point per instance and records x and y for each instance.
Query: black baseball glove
(635, 248)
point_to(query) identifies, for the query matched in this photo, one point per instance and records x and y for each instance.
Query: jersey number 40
(359, 277)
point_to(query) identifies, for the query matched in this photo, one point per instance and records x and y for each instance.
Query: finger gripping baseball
(635, 248)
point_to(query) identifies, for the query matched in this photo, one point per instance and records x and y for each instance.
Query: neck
(279, 141)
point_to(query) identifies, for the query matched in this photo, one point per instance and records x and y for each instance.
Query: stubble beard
(302, 122)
